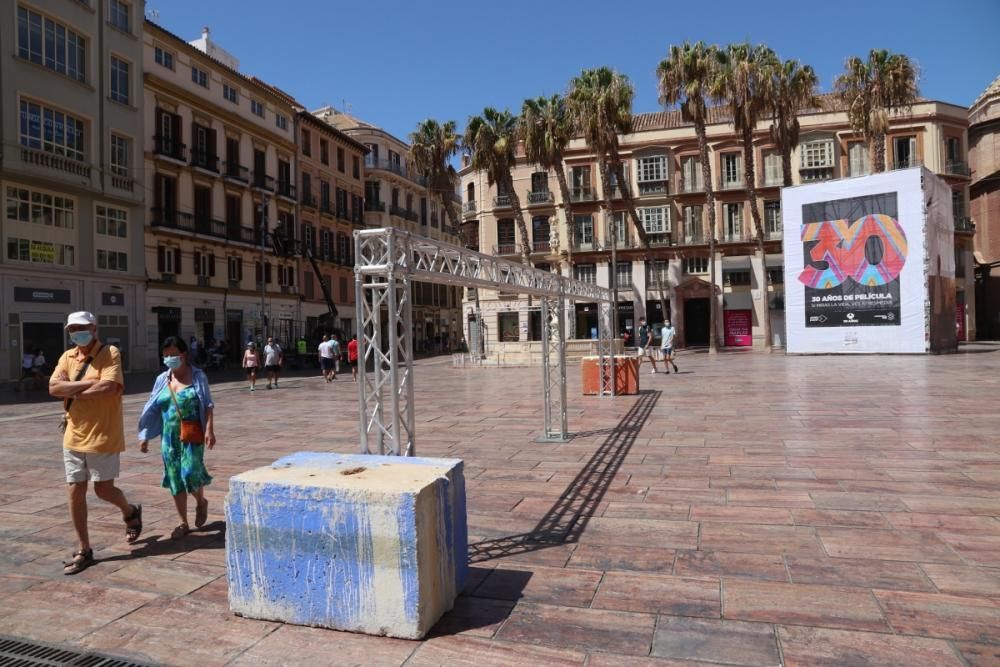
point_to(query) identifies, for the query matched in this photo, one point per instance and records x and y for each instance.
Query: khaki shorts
(81, 466)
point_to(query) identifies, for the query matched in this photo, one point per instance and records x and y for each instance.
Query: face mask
(81, 338)
(172, 362)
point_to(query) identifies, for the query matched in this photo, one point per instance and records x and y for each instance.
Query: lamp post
(265, 200)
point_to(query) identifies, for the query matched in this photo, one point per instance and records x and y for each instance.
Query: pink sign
(960, 320)
(738, 325)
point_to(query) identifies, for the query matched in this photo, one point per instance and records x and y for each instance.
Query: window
(51, 131)
(655, 219)
(775, 276)
(40, 208)
(652, 168)
(40, 252)
(733, 216)
(772, 219)
(230, 93)
(586, 273)
(199, 76)
(355, 167)
(953, 149)
(235, 268)
(623, 274)
(394, 161)
(618, 225)
(257, 108)
(905, 151)
(735, 278)
(817, 154)
(168, 260)
(324, 151)
(540, 181)
(204, 264)
(584, 225)
(121, 152)
(112, 260)
(280, 121)
(772, 168)
(693, 229)
(118, 15)
(696, 265)
(732, 170)
(506, 238)
(341, 164)
(112, 221)
(580, 183)
(658, 269)
(286, 276)
(325, 244)
(858, 162)
(119, 80)
(50, 44)
(691, 175)
(164, 58)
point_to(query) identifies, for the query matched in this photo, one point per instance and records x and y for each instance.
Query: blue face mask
(172, 362)
(81, 338)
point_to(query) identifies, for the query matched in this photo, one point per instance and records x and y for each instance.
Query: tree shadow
(567, 518)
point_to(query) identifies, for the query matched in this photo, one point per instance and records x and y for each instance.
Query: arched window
(470, 192)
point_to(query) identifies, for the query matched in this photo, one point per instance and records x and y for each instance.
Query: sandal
(180, 531)
(81, 561)
(133, 524)
(201, 513)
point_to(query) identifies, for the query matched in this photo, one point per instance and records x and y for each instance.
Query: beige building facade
(397, 197)
(663, 173)
(71, 126)
(220, 165)
(984, 205)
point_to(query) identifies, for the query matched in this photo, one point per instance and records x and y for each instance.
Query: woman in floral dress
(181, 395)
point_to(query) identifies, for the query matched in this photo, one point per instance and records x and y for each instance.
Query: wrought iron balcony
(398, 211)
(774, 234)
(660, 240)
(738, 184)
(906, 163)
(501, 201)
(505, 249)
(168, 147)
(203, 159)
(541, 197)
(654, 188)
(958, 168)
(263, 181)
(689, 187)
(581, 194)
(394, 167)
(326, 207)
(584, 245)
(308, 200)
(172, 219)
(377, 206)
(539, 245)
(239, 234)
(735, 236)
(286, 189)
(236, 172)
(469, 207)
(697, 238)
(210, 226)
(964, 224)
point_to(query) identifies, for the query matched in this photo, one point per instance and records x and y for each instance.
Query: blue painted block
(373, 544)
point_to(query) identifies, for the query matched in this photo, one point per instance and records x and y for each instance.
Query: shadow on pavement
(565, 521)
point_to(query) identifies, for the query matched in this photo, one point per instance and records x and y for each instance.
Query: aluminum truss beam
(387, 262)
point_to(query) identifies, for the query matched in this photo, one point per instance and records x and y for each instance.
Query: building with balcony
(664, 176)
(220, 166)
(396, 196)
(71, 129)
(984, 205)
(331, 198)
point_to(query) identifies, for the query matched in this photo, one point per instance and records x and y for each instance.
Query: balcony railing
(172, 219)
(377, 206)
(541, 197)
(210, 226)
(53, 161)
(735, 236)
(774, 234)
(660, 240)
(308, 200)
(236, 171)
(326, 207)
(689, 187)
(501, 201)
(584, 245)
(203, 159)
(906, 163)
(964, 224)
(398, 211)
(168, 147)
(286, 189)
(394, 167)
(652, 188)
(239, 234)
(581, 194)
(539, 245)
(263, 181)
(958, 168)
(469, 207)
(732, 185)
(122, 183)
(697, 238)
(505, 249)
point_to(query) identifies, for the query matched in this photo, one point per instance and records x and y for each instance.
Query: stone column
(719, 302)
(760, 300)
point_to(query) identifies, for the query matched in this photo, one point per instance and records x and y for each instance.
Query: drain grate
(23, 653)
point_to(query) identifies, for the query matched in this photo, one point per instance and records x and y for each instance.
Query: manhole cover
(24, 653)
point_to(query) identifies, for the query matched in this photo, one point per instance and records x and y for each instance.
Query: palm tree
(745, 83)
(688, 78)
(432, 146)
(793, 88)
(491, 142)
(600, 104)
(546, 130)
(885, 84)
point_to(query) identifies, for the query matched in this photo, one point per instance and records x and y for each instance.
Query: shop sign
(738, 325)
(35, 295)
(112, 299)
(42, 252)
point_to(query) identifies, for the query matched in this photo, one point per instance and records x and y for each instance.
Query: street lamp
(262, 207)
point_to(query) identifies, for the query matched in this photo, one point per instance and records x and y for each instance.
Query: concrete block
(373, 544)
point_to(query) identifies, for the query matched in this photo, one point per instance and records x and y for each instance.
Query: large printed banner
(854, 265)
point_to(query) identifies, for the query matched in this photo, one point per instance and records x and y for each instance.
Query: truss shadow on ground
(566, 519)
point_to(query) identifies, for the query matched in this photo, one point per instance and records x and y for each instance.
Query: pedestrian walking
(667, 335)
(38, 365)
(335, 350)
(27, 364)
(644, 344)
(326, 358)
(273, 356)
(352, 356)
(181, 412)
(88, 377)
(251, 361)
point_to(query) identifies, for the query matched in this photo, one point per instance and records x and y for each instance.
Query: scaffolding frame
(387, 263)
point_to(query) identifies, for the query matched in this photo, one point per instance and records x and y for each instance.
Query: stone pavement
(753, 510)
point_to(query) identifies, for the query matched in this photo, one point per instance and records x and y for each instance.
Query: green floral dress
(183, 463)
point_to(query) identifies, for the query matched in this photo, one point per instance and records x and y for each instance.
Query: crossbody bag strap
(173, 396)
(81, 373)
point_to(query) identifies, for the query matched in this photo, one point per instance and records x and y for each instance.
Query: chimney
(204, 33)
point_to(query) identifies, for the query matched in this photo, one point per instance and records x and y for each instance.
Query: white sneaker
(653, 371)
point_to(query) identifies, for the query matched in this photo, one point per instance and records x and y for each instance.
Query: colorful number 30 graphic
(871, 251)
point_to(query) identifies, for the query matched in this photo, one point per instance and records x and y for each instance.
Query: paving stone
(736, 514)
(729, 642)
(857, 572)
(801, 604)
(477, 652)
(680, 596)
(761, 567)
(317, 646)
(610, 557)
(589, 629)
(979, 655)
(756, 538)
(886, 545)
(968, 618)
(573, 588)
(963, 580)
(821, 647)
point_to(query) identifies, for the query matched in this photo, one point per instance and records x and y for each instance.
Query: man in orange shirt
(89, 379)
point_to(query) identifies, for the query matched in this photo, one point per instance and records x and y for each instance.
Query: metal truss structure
(387, 263)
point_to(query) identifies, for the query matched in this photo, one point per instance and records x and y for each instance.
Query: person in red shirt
(352, 356)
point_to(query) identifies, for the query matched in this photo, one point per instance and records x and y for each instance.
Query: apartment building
(664, 175)
(395, 196)
(331, 197)
(984, 160)
(220, 165)
(70, 171)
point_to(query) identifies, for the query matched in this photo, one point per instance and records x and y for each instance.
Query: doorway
(234, 333)
(586, 320)
(168, 323)
(696, 322)
(534, 325)
(48, 337)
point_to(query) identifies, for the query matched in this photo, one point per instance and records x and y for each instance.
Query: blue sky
(396, 62)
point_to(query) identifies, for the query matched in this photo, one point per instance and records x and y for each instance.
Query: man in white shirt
(326, 359)
(667, 334)
(273, 357)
